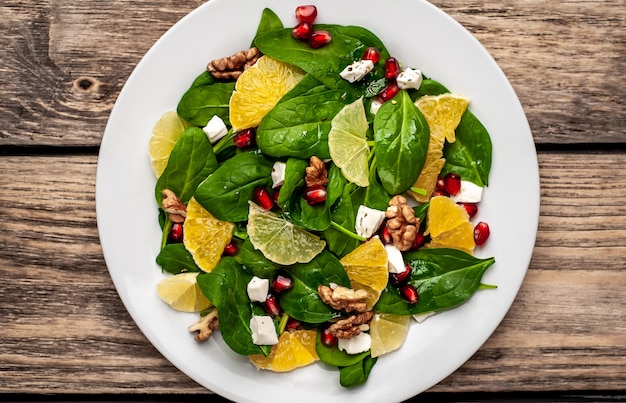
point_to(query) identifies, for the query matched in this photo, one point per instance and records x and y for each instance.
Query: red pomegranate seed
(302, 31)
(245, 138)
(176, 233)
(306, 13)
(390, 91)
(481, 233)
(452, 183)
(419, 241)
(385, 235)
(292, 324)
(471, 208)
(392, 68)
(328, 339)
(271, 305)
(319, 39)
(400, 278)
(231, 249)
(281, 283)
(315, 194)
(372, 54)
(276, 194)
(262, 198)
(409, 294)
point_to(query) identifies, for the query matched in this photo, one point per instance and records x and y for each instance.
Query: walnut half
(231, 67)
(205, 326)
(351, 326)
(342, 298)
(401, 222)
(316, 174)
(173, 206)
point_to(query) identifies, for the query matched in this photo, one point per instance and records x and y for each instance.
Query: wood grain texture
(63, 328)
(63, 63)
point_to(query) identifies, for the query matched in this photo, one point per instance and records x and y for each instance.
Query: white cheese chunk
(469, 193)
(263, 331)
(258, 289)
(395, 262)
(215, 129)
(368, 220)
(409, 78)
(355, 344)
(419, 318)
(376, 104)
(278, 174)
(357, 70)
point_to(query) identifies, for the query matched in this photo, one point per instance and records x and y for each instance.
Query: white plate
(418, 34)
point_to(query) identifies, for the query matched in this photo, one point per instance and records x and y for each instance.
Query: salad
(316, 198)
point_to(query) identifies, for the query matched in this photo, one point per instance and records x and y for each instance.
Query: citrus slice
(366, 267)
(182, 293)
(347, 142)
(165, 133)
(205, 236)
(443, 114)
(258, 89)
(427, 179)
(388, 332)
(294, 350)
(448, 225)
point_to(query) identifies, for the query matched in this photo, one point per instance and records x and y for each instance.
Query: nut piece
(316, 173)
(231, 67)
(351, 326)
(205, 326)
(342, 298)
(401, 222)
(172, 205)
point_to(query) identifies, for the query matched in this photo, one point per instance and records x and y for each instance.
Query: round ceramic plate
(419, 35)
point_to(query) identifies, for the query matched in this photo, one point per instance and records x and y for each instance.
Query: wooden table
(63, 328)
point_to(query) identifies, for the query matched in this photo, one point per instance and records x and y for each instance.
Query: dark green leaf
(335, 357)
(344, 215)
(254, 262)
(375, 195)
(269, 22)
(356, 374)
(205, 98)
(175, 258)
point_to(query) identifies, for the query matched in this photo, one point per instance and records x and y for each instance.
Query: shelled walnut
(205, 326)
(401, 222)
(316, 174)
(173, 206)
(351, 326)
(343, 298)
(231, 67)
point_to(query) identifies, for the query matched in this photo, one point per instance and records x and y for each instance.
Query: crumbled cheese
(395, 262)
(278, 174)
(263, 331)
(355, 344)
(215, 129)
(357, 70)
(469, 193)
(376, 104)
(409, 78)
(419, 318)
(258, 289)
(368, 220)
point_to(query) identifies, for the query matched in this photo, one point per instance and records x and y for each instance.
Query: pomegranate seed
(262, 198)
(292, 324)
(419, 241)
(452, 183)
(231, 249)
(385, 235)
(271, 305)
(390, 91)
(481, 233)
(245, 138)
(400, 278)
(281, 283)
(319, 39)
(392, 68)
(315, 194)
(409, 294)
(306, 13)
(328, 339)
(471, 208)
(276, 194)
(372, 54)
(176, 233)
(302, 31)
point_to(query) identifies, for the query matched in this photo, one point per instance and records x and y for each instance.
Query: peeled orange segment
(388, 332)
(427, 180)
(366, 267)
(205, 236)
(294, 350)
(347, 142)
(448, 225)
(182, 293)
(165, 133)
(258, 89)
(443, 114)
(279, 240)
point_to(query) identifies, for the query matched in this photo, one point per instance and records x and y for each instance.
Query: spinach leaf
(295, 171)
(298, 125)
(191, 161)
(335, 357)
(336, 184)
(310, 217)
(375, 195)
(356, 374)
(401, 133)
(343, 214)
(175, 258)
(225, 286)
(269, 22)
(302, 302)
(226, 193)
(254, 262)
(205, 98)
(444, 278)
(428, 87)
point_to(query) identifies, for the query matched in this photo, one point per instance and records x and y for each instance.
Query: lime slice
(165, 133)
(388, 332)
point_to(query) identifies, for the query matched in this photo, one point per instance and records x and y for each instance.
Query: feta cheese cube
(395, 262)
(278, 174)
(215, 129)
(375, 106)
(258, 289)
(368, 220)
(469, 193)
(419, 318)
(357, 70)
(263, 331)
(409, 78)
(356, 344)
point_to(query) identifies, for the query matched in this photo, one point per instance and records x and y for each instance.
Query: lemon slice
(294, 350)
(182, 293)
(366, 267)
(347, 142)
(443, 114)
(165, 133)
(448, 225)
(388, 332)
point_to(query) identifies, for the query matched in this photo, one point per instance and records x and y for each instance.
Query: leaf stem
(224, 142)
(347, 232)
(167, 227)
(419, 191)
(283, 324)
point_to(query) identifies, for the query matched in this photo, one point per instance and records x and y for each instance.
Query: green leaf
(344, 215)
(334, 356)
(205, 98)
(175, 258)
(269, 22)
(254, 262)
(295, 172)
(356, 374)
